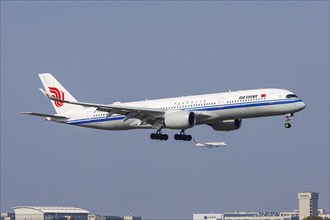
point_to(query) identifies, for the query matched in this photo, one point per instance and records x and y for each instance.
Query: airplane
(209, 144)
(221, 111)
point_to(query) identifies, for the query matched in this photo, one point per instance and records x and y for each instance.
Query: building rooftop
(53, 209)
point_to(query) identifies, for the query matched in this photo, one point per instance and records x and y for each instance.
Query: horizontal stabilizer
(47, 116)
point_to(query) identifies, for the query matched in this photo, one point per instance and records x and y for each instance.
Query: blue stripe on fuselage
(204, 108)
(94, 120)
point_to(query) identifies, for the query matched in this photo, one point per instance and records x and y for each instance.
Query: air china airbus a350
(221, 111)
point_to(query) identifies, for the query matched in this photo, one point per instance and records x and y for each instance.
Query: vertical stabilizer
(195, 141)
(53, 87)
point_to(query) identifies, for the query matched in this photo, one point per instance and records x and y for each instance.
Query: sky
(108, 51)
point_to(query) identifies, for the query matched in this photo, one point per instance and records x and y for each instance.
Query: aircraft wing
(117, 109)
(148, 115)
(144, 114)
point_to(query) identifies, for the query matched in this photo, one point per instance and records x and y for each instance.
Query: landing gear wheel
(159, 136)
(165, 137)
(287, 125)
(182, 136)
(287, 120)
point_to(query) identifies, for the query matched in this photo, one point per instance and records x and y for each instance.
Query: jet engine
(180, 120)
(227, 125)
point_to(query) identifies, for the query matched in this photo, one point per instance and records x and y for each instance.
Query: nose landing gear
(287, 121)
(287, 125)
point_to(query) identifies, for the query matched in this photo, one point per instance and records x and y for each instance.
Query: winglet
(195, 141)
(44, 92)
(51, 97)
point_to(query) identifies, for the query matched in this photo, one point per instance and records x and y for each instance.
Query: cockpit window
(290, 96)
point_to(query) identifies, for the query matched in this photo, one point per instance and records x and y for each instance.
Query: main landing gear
(159, 136)
(287, 120)
(182, 136)
(164, 137)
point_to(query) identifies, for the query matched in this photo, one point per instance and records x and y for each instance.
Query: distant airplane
(209, 144)
(221, 111)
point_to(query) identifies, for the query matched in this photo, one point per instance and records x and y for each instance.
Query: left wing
(148, 115)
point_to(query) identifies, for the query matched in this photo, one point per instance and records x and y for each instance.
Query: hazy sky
(123, 51)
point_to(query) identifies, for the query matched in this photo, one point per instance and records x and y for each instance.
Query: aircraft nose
(301, 105)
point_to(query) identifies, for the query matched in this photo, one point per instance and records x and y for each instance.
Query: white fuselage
(211, 144)
(218, 107)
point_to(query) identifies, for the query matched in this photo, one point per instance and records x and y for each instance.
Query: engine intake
(180, 120)
(227, 125)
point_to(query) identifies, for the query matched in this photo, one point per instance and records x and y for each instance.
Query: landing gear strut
(287, 121)
(182, 136)
(159, 135)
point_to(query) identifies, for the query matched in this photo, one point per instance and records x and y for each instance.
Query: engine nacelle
(227, 125)
(180, 120)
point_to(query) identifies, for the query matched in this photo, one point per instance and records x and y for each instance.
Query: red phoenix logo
(58, 95)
